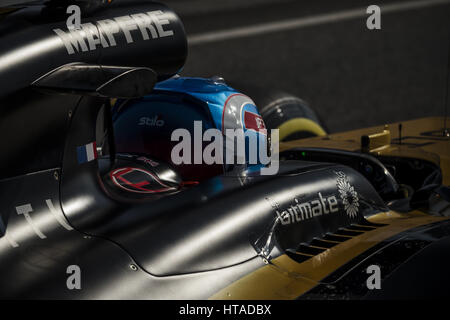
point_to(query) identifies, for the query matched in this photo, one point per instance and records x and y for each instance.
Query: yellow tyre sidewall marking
(300, 124)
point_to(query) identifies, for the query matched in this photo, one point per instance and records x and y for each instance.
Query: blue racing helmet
(145, 125)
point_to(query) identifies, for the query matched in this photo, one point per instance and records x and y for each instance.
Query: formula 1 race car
(93, 206)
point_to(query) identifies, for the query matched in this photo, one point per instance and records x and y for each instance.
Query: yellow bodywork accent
(285, 278)
(300, 124)
(379, 141)
(417, 142)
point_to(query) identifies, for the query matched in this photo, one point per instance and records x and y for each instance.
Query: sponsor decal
(155, 121)
(142, 26)
(148, 161)
(138, 180)
(307, 210)
(27, 211)
(348, 195)
(322, 205)
(253, 121)
(233, 111)
(87, 153)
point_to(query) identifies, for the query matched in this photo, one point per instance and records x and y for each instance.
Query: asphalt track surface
(323, 52)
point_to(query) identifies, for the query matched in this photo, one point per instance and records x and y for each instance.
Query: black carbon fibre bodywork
(161, 237)
(407, 271)
(34, 50)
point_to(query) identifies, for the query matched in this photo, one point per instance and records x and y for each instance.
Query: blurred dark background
(353, 77)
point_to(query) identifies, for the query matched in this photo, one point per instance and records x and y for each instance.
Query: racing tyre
(292, 116)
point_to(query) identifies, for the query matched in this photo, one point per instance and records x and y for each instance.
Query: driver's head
(149, 126)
